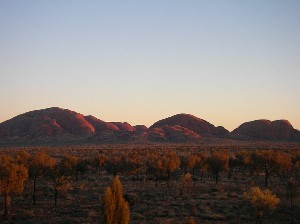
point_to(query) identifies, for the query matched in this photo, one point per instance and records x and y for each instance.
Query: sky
(140, 61)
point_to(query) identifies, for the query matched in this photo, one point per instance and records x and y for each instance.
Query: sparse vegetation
(12, 178)
(39, 164)
(217, 162)
(115, 208)
(262, 201)
(157, 183)
(291, 193)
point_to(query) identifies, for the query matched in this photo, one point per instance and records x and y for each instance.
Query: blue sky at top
(139, 61)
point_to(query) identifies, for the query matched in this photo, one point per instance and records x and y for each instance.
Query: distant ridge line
(58, 124)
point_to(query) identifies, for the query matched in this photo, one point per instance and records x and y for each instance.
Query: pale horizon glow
(227, 62)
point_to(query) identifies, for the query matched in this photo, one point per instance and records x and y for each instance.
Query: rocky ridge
(62, 124)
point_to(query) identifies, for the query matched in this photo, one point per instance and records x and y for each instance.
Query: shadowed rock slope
(195, 124)
(268, 130)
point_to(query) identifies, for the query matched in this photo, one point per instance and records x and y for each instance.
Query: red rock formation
(124, 126)
(70, 121)
(296, 135)
(140, 128)
(45, 126)
(174, 133)
(157, 135)
(100, 125)
(265, 129)
(192, 123)
(282, 129)
(25, 126)
(51, 122)
(57, 123)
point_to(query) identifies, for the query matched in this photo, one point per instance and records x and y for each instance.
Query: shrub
(262, 201)
(115, 208)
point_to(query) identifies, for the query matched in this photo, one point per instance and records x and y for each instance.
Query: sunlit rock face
(70, 121)
(174, 133)
(124, 126)
(100, 125)
(69, 126)
(194, 124)
(49, 122)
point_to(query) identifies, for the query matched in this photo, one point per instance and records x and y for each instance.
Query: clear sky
(140, 61)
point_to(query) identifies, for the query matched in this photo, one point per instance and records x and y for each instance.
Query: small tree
(232, 164)
(133, 165)
(99, 162)
(244, 161)
(262, 201)
(193, 162)
(39, 164)
(115, 208)
(61, 179)
(217, 162)
(296, 166)
(184, 181)
(69, 163)
(115, 165)
(270, 162)
(82, 167)
(183, 163)
(171, 162)
(12, 178)
(291, 193)
(23, 157)
(154, 166)
(201, 164)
